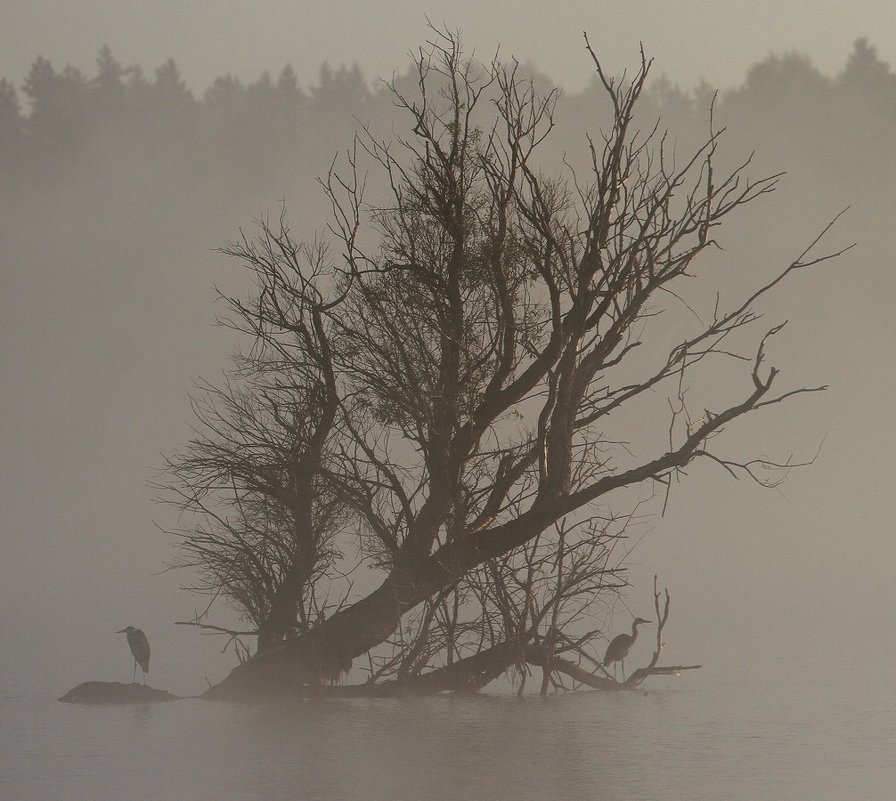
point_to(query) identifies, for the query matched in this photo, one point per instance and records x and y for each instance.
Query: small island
(115, 692)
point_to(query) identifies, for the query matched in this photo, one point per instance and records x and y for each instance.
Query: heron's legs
(134, 677)
(623, 671)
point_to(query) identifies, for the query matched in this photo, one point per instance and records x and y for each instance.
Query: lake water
(683, 739)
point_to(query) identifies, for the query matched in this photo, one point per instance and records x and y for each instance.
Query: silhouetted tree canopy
(273, 135)
(430, 389)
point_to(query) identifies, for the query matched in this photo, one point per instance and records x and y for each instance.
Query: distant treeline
(251, 133)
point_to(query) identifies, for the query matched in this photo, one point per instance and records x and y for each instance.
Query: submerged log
(115, 692)
(657, 670)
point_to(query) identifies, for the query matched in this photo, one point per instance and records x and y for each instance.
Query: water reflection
(687, 743)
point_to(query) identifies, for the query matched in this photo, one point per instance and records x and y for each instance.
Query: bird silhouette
(139, 646)
(618, 649)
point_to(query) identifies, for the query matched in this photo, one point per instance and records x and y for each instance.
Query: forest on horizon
(244, 135)
(135, 172)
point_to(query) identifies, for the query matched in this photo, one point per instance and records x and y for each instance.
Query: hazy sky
(715, 39)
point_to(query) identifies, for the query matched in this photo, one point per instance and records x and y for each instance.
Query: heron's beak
(121, 631)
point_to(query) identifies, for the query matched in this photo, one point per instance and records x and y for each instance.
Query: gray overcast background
(760, 581)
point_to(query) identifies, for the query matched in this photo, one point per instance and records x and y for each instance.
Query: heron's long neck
(635, 625)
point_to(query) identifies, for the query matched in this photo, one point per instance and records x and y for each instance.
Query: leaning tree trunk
(324, 652)
(329, 648)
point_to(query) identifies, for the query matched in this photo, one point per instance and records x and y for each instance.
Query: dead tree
(435, 393)
(263, 517)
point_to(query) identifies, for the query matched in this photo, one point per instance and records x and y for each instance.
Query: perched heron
(139, 646)
(618, 649)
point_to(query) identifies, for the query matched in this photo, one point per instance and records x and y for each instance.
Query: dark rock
(114, 692)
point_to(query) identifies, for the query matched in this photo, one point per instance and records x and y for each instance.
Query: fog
(118, 185)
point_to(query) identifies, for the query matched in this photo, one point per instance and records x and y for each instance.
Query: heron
(139, 646)
(618, 649)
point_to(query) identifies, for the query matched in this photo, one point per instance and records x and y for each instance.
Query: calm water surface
(680, 741)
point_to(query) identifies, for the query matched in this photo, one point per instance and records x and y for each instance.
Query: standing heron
(618, 649)
(139, 646)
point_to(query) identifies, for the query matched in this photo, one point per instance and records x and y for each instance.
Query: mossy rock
(114, 692)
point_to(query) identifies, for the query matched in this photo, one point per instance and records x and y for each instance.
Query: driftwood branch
(239, 647)
(215, 629)
(662, 615)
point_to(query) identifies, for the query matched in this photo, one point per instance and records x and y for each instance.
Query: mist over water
(116, 188)
(735, 740)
